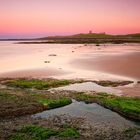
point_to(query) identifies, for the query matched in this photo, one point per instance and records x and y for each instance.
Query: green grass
(52, 101)
(124, 105)
(39, 84)
(17, 103)
(34, 132)
(69, 131)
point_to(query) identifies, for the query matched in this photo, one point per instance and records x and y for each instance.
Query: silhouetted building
(90, 32)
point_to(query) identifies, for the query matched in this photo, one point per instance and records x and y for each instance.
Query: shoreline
(87, 62)
(28, 94)
(103, 67)
(81, 40)
(70, 61)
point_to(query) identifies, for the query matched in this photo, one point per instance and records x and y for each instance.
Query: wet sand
(122, 64)
(70, 61)
(34, 73)
(130, 91)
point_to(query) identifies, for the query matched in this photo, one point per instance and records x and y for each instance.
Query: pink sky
(33, 18)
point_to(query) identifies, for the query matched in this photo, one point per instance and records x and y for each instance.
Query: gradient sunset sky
(38, 18)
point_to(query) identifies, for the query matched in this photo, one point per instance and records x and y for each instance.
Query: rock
(46, 61)
(136, 137)
(52, 55)
(97, 44)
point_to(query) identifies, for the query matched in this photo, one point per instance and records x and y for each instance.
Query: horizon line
(41, 36)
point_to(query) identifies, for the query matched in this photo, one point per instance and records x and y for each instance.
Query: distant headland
(83, 38)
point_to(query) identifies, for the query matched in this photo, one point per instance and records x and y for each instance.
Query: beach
(121, 64)
(111, 62)
(92, 88)
(70, 61)
(70, 70)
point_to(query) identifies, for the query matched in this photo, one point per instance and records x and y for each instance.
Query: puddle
(89, 86)
(92, 112)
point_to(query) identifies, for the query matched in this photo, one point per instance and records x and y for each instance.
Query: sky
(39, 18)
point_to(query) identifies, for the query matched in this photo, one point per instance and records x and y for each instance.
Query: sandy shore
(70, 61)
(124, 64)
(34, 73)
(133, 91)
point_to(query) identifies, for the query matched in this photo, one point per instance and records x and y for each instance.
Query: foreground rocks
(87, 130)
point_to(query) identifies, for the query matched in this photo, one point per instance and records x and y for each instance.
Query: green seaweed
(38, 84)
(34, 132)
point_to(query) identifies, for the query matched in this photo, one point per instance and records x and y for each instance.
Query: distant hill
(96, 35)
(90, 38)
(83, 36)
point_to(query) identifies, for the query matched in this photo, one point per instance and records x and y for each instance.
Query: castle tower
(90, 32)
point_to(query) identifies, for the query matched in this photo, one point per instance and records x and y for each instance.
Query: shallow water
(92, 112)
(89, 86)
(132, 89)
